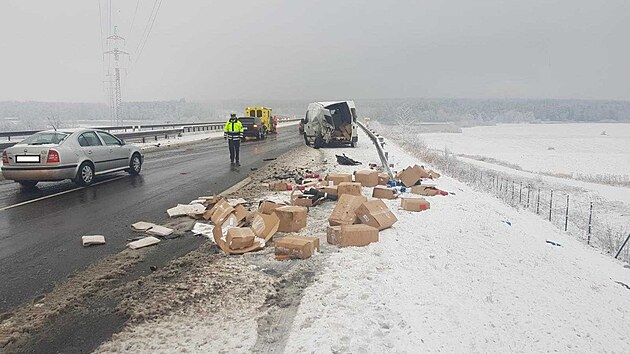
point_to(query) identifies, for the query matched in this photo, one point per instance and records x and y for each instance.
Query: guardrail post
(550, 204)
(520, 193)
(538, 202)
(566, 217)
(590, 218)
(622, 246)
(529, 188)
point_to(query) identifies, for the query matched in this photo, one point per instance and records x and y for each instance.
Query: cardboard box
(268, 207)
(343, 214)
(433, 174)
(296, 246)
(352, 188)
(355, 235)
(278, 186)
(292, 218)
(332, 190)
(409, 176)
(221, 211)
(383, 178)
(299, 199)
(367, 178)
(383, 192)
(265, 226)
(337, 178)
(240, 237)
(376, 214)
(415, 204)
(332, 234)
(422, 171)
(242, 214)
(426, 190)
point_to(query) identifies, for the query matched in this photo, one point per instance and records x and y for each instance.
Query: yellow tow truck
(268, 120)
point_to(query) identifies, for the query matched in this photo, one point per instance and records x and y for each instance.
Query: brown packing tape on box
(292, 218)
(343, 213)
(221, 211)
(367, 178)
(383, 192)
(337, 178)
(240, 237)
(355, 235)
(376, 214)
(352, 188)
(296, 246)
(415, 204)
(264, 227)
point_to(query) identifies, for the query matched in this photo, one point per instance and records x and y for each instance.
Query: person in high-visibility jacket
(233, 133)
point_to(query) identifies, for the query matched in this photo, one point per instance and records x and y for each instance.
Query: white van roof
(330, 103)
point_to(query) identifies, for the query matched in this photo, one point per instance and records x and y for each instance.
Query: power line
(149, 32)
(133, 20)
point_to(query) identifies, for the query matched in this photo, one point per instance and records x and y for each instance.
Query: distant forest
(464, 112)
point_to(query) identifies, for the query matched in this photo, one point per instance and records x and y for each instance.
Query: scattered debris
(367, 178)
(352, 188)
(90, 240)
(352, 235)
(507, 222)
(160, 231)
(142, 226)
(270, 159)
(292, 218)
(623, 284)
(143, 242)
(201, 229)
(376, 214)
(186, 209)
(553, 243)
(415, 204)
(383, 192)
(345, 160)
(291, 247)
(337, 178)
(427, 190)
(343, 213)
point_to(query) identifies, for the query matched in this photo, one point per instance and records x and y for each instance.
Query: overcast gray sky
(285, 49)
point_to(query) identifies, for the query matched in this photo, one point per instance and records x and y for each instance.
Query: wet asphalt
(40, 242)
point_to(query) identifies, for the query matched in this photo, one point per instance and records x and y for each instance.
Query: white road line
(57, 194)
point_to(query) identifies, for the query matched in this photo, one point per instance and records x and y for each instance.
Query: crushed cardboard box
(343, 213)
(352, 188)
(202, 229)
(240, 237)
(367, 178)
(434, 175)
(332, 190)
(144, 242)
(383, 192)
(427, 190)
(292, 218)
(376, 214)
(415, 204)
(299, 199)
(142, 226)
(296, 247)
(278, 186)
(337, 178)
(410, 175)
(263, 226)
(353, 235)
(242, 214)
(221, 211)
(383, 179)
(90, 240)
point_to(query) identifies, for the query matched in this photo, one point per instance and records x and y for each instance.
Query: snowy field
(556, 148)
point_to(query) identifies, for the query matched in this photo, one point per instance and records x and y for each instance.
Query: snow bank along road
(469, 275)
(40, 241)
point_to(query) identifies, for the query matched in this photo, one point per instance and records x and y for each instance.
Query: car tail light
(5, 158)
(255, 125)
(53, 156)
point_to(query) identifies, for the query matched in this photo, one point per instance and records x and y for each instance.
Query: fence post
(520, 193)
(590, 218)
(622, 246)
(529, 188)
(512, 190)
(550, 204)
(566, 216)
(538, 202)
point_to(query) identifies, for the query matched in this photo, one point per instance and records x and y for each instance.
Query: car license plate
(27, 158)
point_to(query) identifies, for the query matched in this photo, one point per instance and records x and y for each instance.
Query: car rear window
(45, 138)
(247, 120)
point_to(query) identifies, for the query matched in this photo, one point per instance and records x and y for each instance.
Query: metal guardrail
(379, 149)
(140, 135)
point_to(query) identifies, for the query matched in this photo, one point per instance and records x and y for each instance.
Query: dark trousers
(235, 146)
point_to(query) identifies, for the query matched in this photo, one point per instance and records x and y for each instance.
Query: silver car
(76, 154)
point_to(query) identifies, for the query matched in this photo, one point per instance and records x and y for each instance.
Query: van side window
(259, 113)
(252, 113)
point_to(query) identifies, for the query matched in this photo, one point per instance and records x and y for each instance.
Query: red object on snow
(312, 175)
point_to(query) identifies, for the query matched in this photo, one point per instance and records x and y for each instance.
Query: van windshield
(44, 138)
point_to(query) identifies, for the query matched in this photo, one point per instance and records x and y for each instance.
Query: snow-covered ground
(556, 148)
(470, 275)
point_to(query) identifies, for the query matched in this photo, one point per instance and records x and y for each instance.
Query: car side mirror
(122, 142)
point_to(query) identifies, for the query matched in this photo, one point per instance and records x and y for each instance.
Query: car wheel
(135, 164)
(28, 184)
(85, 176)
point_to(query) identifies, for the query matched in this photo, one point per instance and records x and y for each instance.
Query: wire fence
(582, 215)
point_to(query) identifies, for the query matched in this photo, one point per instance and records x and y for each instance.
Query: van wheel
(306, 141)
(28, 184)
(135, 164)
(353, 144)
(85, 175)
(318, 142)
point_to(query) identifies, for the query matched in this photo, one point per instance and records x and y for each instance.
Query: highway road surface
(40, 230)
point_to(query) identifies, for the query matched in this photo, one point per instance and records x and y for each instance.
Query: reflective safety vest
(233, 130)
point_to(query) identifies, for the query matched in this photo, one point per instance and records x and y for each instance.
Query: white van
(329, 123)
